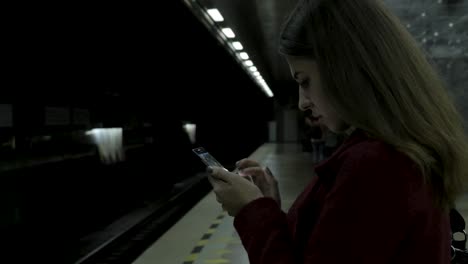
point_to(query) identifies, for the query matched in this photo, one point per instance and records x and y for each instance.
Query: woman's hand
(262, 177)
(232, 191)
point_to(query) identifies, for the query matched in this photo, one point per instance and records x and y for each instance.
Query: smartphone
(206, 157)
(209, 160)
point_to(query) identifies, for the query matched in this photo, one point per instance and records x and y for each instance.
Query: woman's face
(305, 72)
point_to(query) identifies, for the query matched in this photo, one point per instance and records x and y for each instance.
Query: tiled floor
(206, 234)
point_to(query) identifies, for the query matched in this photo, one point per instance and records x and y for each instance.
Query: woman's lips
(315, 119)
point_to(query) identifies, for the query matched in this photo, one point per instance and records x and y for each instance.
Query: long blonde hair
(378, 79)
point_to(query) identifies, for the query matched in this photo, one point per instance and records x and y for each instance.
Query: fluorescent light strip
(244, 55)
(228, 32)
(215, 15)
(237, 45)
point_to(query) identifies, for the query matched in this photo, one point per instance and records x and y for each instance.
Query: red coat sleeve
(263, 229)
(364, 219)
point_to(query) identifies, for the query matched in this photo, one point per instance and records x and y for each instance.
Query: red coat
(368, 205)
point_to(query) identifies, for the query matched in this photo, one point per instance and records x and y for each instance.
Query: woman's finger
(253, 171)
(212, 181)
(217, 184)
(220, 174)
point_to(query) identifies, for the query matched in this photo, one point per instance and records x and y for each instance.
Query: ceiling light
(248, 63)
(451, 25)
(423, 14)
(228, 32)
(237, 45)
(436, 34)
(259, 77)
(269, 92)
(256, 74)
(215, 15)
(253, 69)
(266, 89)
(244, 55)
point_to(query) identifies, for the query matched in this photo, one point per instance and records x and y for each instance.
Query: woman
(384, 195)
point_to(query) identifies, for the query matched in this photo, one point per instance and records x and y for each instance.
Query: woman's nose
(304, 103)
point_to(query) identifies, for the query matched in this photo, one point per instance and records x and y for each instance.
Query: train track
(127, 244)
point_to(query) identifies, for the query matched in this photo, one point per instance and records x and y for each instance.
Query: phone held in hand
(209, 160)
(206, 157)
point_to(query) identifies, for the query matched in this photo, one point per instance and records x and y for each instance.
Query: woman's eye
(304, 84)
